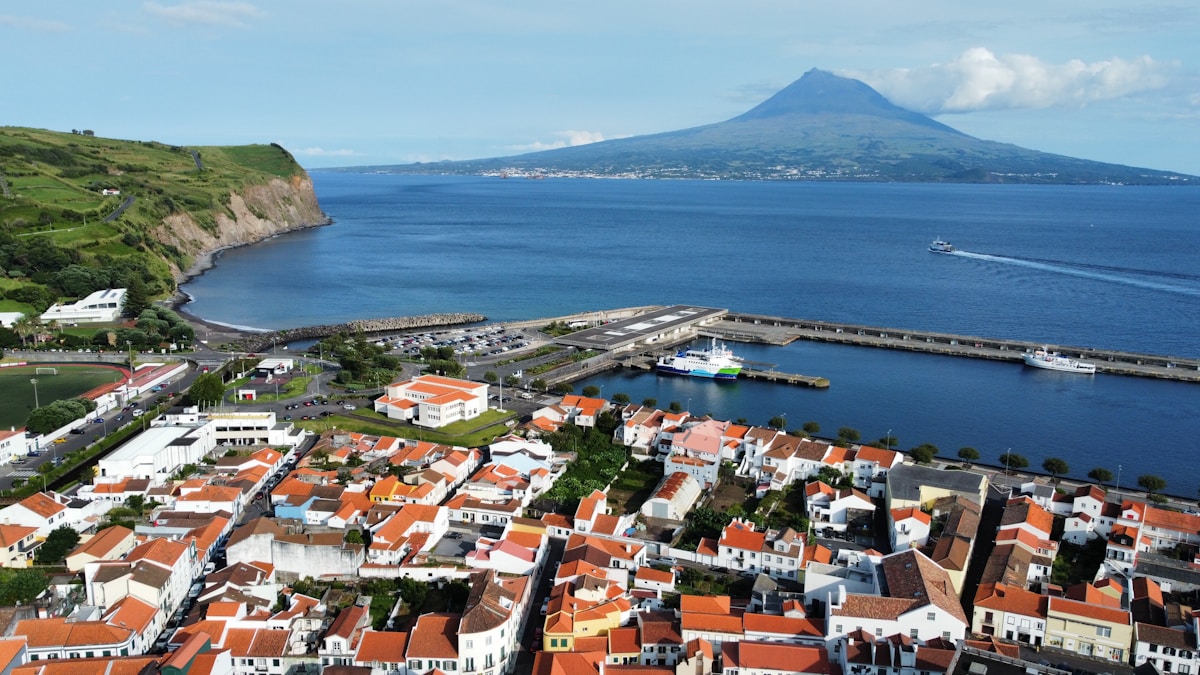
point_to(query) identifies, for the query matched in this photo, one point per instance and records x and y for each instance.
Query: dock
(785, 378)
(737, 327)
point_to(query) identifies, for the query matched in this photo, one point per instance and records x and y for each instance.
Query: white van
(138, 412)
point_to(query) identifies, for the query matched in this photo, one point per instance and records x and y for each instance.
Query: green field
(71, 381)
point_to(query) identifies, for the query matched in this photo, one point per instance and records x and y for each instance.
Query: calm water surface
(1107, 267)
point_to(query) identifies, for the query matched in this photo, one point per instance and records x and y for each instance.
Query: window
(930, 616)
(878, 632)
(945, 635)
(1103, 631)
(1153, 649)
(913, 632)
(488, 640)
(470, 644)
(415, 664)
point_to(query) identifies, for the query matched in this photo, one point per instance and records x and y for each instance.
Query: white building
(433, 401)
(157, 453)
(99, 307)
(673, 497)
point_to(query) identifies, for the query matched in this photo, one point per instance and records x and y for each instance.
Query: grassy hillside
(56, 238)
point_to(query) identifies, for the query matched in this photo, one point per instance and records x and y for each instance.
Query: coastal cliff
(254, 213)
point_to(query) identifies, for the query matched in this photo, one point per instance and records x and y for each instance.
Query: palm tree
(23, 327)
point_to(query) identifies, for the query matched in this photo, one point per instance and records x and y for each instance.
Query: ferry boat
(1044, 358)
(717, 362)
(939, 246)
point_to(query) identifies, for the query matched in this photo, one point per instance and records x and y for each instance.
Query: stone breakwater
(262, 341)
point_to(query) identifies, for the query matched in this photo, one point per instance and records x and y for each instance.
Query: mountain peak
(820, 92)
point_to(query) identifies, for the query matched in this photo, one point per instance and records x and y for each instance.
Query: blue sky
(395, 81)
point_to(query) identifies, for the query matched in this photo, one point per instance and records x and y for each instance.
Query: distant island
(821, 127)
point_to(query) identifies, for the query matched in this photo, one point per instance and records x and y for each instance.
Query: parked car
(138, 412)
(60, 440)
(78, 432)
(347, 406)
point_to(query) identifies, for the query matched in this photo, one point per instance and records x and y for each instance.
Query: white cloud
(36, 25)
(566, 139)
(981, 80)
(322, 152)
(204, 12)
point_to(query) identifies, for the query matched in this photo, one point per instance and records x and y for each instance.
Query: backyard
(633, 486)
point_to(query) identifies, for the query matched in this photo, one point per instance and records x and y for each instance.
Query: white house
(831, 510)
(99, 307)
(920, 604)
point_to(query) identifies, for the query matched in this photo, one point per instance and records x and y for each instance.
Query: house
(710, 618)
(464, 508)
(870, 466)
(412, 529)
(43, 511)
(1010, 612)
(779, 554)
(920, 603)
(102, 306)
(960, 519)
(481, 639)
(514, 552)
(584, 608)
(13, 443)
(110, 543)
(659, 581)
(912, 485)
(792, 459)
(749, 657)
(433, 401)
(674, 496)
(592, 517)
(831, 510)
(1168, 650)
(294, 552)
(17, 545)
(910, 528)
(864, 654)
(1098, 631)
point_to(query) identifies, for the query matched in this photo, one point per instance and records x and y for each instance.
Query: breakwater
(258, 342)
(778, 330)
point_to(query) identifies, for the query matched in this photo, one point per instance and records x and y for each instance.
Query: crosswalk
(22, 473)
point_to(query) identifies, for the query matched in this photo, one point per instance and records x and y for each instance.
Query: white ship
(939, 246)
(1044, 358)
(717, 362)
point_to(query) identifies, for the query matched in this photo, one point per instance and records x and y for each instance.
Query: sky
(369, 82)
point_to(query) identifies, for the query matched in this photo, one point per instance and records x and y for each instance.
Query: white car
(348, 406)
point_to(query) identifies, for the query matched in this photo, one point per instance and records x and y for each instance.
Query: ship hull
(723, 374)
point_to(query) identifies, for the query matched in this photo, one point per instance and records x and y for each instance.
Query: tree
(354, 537)
(512, 381)
(1055, 467)
(849, 434)
(923, 453)
(1100, 475)
(1151, 483)
(207, 389)
(21, 586)
(620, 398)
(58, 544)
(491, 377)
(968, 454)
(1011, 460)
(591, 391)
(562, 388)
(650, 402)
(812, 427)
(538, 384)
(675, 407)
(777, 422)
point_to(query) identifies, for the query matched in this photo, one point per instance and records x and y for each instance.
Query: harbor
(753, 328)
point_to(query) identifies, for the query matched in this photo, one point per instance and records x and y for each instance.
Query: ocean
(1098, 266)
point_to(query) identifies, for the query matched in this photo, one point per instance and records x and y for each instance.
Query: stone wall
(262, 341)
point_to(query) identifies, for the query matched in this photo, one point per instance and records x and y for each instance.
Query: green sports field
(16, 390)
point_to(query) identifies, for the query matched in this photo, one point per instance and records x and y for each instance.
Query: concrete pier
(739, 327)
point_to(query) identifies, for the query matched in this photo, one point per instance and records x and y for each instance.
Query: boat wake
(1116, 275)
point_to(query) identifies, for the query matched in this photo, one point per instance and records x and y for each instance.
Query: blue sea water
(1106, 267)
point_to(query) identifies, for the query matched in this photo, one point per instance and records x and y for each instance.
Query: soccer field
(16, 390)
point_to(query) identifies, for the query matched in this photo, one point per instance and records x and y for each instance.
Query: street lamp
(33, 381)
(1118, 487)
(887, 440)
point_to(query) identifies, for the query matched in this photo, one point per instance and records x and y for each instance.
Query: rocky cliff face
(258, 212)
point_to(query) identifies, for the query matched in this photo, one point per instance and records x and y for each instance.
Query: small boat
(939, 246)
(1044, 358)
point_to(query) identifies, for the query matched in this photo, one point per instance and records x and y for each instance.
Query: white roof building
(156, 453)
(99, 307)
(433, 401)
